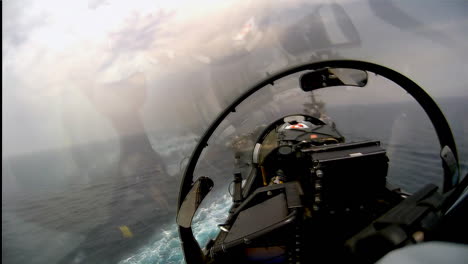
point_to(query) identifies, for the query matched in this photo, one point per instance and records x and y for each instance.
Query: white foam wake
(166, 246)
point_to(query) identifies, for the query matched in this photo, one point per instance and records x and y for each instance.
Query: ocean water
(49, 216)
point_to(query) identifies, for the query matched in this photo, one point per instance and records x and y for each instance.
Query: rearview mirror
(332, 77)
(193, 199)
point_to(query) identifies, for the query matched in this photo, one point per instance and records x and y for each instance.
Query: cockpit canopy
(319, 106)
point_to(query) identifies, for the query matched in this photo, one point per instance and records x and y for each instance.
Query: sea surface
(49, 216)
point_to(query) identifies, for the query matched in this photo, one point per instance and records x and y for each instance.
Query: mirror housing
(332, 77)
(192, 201)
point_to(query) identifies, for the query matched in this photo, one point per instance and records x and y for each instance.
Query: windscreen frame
(430, 107)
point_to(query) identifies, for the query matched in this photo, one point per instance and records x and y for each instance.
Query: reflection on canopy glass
(104, 102)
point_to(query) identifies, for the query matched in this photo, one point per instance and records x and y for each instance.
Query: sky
(57, 55)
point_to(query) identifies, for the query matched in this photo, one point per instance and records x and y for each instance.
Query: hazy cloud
(54, 51)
